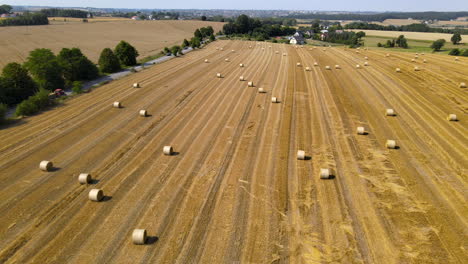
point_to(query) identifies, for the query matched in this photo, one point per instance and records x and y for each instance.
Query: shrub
(454, 52)
(465, 53)
(34, 103)
(77, 87)
(379, 45)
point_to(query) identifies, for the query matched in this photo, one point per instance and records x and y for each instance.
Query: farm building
(297, 39)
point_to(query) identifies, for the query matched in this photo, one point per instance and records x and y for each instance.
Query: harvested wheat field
(234, 187)
(412, 35)
(148, 37)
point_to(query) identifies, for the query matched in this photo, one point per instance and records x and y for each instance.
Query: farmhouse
(297, 39)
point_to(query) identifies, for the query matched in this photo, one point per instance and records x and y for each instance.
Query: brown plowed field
(235, 192)
(148, 37)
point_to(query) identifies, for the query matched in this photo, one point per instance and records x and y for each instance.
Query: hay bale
(250, 84)
(325, 174)
(84, 178)
(337, 66)
(46, 165)
(366, 58)
(219, 75)
(143, 113)
(452, 117)
(284, 54)
(274, 100)
(416, 54)
(226, 59)
(139, 236)
(221, 48)
(398, 70)
(361, 131)
(366, 63)
(261, 90)
(456, 58)
(315, 64)
(241, 65)
(298, 64)
(96, 195)
(301, 155)
(390, 112)
(327, 68)
(416, 57)
(136, 85)
(462, 85)
(413, 60)
(424, 60)
(206, 61)
(416, 68)
(391, 144)
(358, 66)
(232, 51)
(116, 105)
(168, 150)
(307, 68)
(242, 78)
(276, 52)
(387, 55)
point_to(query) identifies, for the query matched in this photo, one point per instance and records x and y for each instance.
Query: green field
(415, 45)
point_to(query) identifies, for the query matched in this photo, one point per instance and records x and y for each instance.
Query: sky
(328, 5)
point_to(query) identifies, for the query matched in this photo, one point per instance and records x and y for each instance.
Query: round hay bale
(232, 50)
(284, 54)
(315, 64)
(206, 61)
(452, 117)
(276, 52)
(358, 66)
(96, 195)
(301, 155)
(168, 150)
(387, 55)
(456, 58)
(413, 60)
(250, 47)
(416, 68)
(242, 78)
(398, 70)
(416, 57)
(250, 84)
(366, 58)
(337, 66)
(325, 174)
(136, 85)
(261, 90)
(219, 75)
(139, 236)
(327, 68)
(226, 60)
(366, 63)
(241, 65)
(424, 60)
(269, 47)
(84, 178)
(462, 85)
(274, 100)
(361, 131)
(307, 68)
(143, 113)
(45, 165)
(416, 54)
(116, 105)
(390, 112)
(221, 48)
(298, 64)
(391, 144)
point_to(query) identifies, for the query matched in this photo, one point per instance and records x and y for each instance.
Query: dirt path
(235, 192)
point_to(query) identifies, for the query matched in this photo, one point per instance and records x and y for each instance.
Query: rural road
(235, 191)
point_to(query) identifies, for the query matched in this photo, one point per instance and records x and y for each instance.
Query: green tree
(198, 34)
(185, 43)
(176, 50)
(212, 37)
(464, 53)
(203, 18)
(401, 42)
(195, 43)
(34, 103)
(166, 50)
(45, 69)
(16, 84)
(77, 87)
(456, 38)
(108, 62)
(126, 53)
(438, 44)
(5, 9)
(76, 66)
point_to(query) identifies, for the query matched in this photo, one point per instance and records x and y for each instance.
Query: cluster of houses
(298, 37)
(7, 15)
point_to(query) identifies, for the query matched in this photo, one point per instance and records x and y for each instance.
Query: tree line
(57, 12)
(26, 19)
(30, 83)
(200, 36)
(256, 28)
(417, 27)
(383, 16)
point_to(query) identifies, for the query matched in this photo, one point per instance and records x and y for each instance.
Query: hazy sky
(342, 5)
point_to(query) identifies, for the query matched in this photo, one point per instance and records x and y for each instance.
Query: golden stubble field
(235, 191)
(149, 37)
